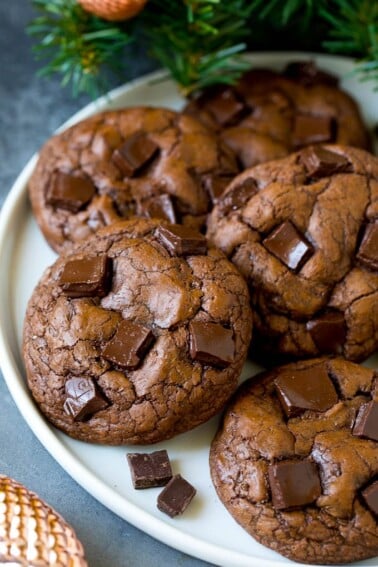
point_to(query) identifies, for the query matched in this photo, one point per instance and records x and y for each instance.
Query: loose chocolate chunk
(307, 73)
(158, 207)
(366, 424)
(226, 107)
(370, 495)
(149, 469)
(215, 186)
(368, 251)
(328, 332)
(211, 343)
(294, 483)
(308, 389)
(83, 398)
(176, 496)
(137, 151)
(88, 277)
(288, 245)
(309, 129)
(320, 162)
(181, 240)
(69, 192)
(238, 196)
(129, 345)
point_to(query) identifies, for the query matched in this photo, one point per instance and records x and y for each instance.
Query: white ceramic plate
(205, 530)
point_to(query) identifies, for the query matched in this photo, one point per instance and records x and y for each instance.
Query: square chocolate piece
(294, 484)
(149, 469)
(138, 150)
(83, 398)
(226, 107)
(368, 251)
(370, 495)
(181, 240)
(328, 331)
(289, 246)
(176, 496)
(158, 207)
(215, 186)
(211, 343)
(320, 162)
(238, 196)
(307, 389)
(69, 192)
(88, 277)
(310, 129)
(366, 424)
(129, 345)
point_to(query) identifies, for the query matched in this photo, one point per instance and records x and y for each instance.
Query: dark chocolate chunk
(288, 245)
(69, 192)
(158, 207)
(366, 424)
(310, 129)
(176, 496)
(370, 495)
(136, 152)
(211, 343)
(320, 162)
(215, 186)
(83, 398)
(181, 240)
(88, 277)
(294, 483)
(129, 345)
(149, 469)
(307, 73)
(328, 332)
(368, 250)
(238, 196)
(307, 389)
(226, 107)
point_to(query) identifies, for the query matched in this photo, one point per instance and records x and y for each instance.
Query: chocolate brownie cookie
(303, 230)
(148, 162)
(268, 115)
(295, 460)
(136, 335)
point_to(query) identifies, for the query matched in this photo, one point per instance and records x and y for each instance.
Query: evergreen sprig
(79, 46)
(198, 40)
(354, 31)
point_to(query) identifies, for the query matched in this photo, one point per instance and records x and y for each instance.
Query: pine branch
(199, 41)
(354, 31)
(79, 46)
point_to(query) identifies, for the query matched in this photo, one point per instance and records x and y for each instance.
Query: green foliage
(198, 40)
(78, 45)
(354, 31)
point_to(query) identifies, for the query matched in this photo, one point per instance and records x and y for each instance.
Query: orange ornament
(113, 10)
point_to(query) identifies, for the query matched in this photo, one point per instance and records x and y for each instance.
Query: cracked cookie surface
(268, 115)
(121, 335)
(335, 522)
(303, 231)
(149, 162)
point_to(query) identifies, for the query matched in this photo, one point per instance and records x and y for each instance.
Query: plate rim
(45, 432)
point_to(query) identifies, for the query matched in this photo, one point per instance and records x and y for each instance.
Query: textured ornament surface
(113, 10)
(32, 534)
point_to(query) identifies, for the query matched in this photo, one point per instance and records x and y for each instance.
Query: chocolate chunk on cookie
(149, 162)
(267, 115)
(155, 352)
(305, 237)
(303, 483)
